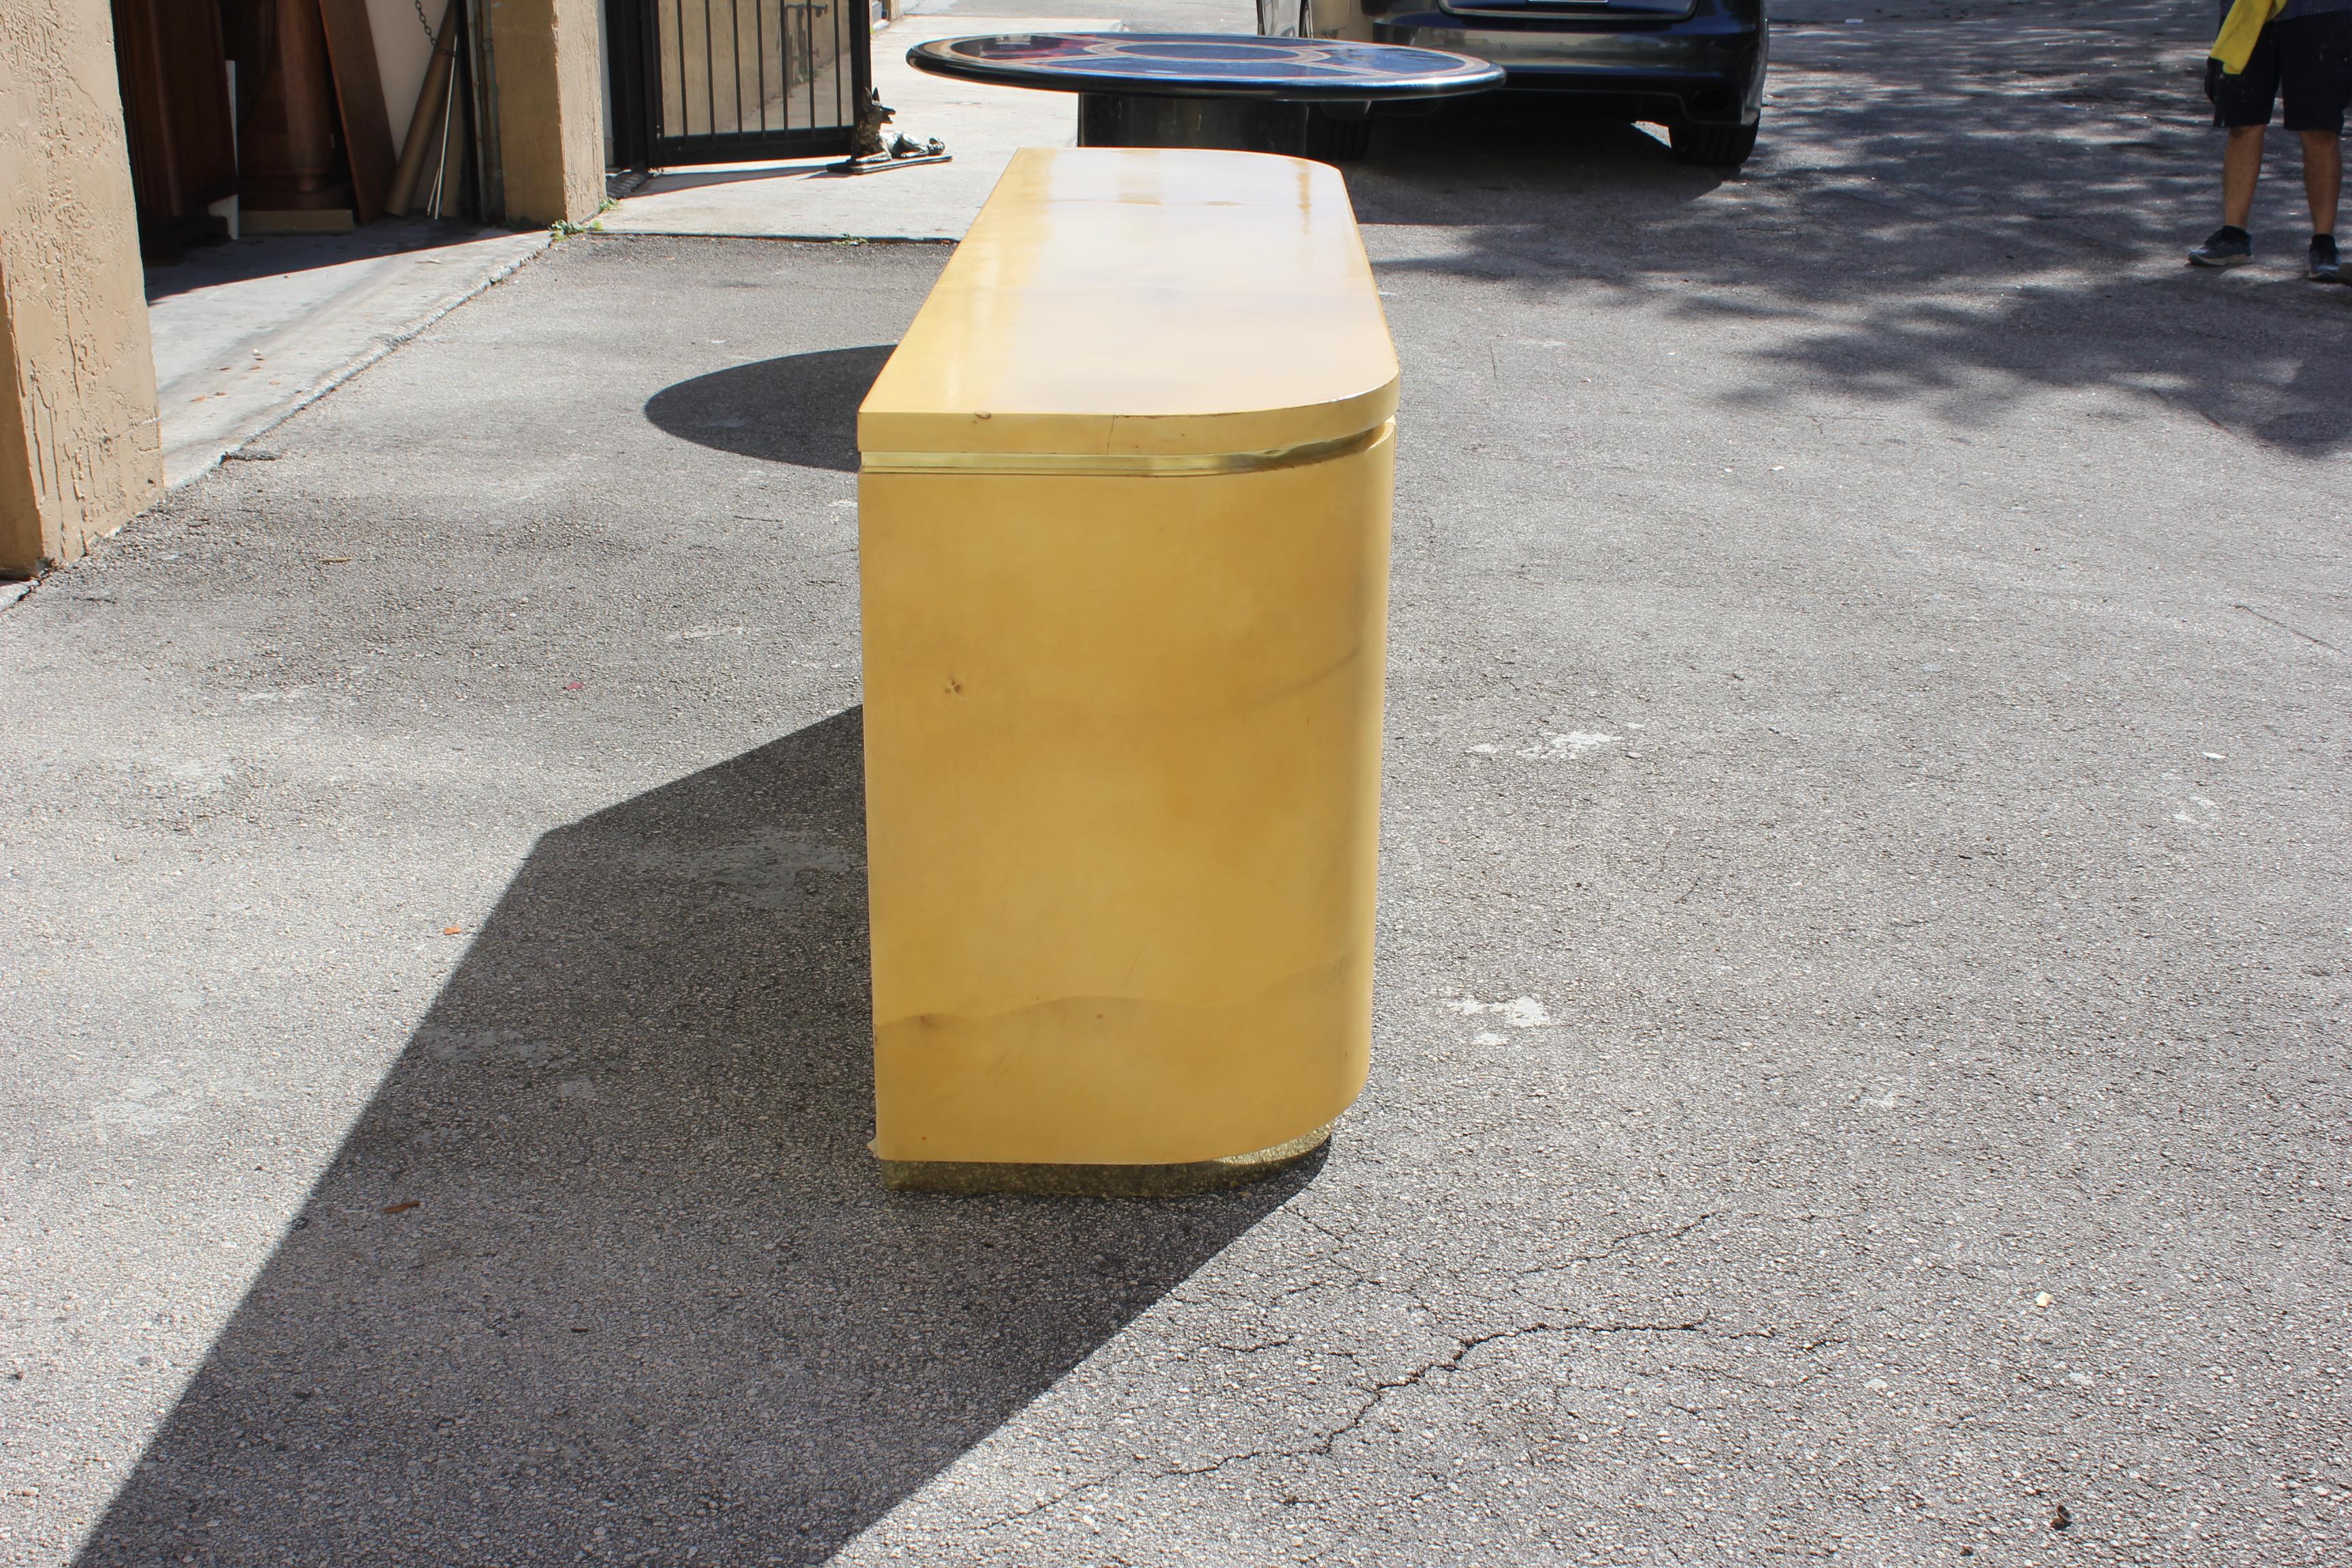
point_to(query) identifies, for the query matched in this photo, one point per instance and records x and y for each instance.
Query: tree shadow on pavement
(799, 409)
(1966, 207)
(604, 1270)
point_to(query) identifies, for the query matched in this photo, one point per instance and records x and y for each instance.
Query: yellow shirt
(2235, 44)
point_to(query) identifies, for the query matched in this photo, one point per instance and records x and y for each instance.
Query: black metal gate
(727, 81)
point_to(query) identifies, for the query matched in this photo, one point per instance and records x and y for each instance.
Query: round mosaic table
(1311, 97)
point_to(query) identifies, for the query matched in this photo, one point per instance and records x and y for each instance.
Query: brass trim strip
(1125, 464)
(1100, 1180)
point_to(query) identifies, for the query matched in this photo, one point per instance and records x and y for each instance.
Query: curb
(377, 350)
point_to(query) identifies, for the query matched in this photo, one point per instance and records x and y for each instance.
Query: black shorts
(2310, 58)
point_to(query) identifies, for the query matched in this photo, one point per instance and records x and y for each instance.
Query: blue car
(1695, 67)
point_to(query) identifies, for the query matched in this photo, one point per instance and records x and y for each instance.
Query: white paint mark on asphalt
(467, 1046)
(1520, 1011)
(131, 1114)
(202, 778)
(1555, 748)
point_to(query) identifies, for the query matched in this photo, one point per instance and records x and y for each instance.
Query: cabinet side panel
(1122, 780)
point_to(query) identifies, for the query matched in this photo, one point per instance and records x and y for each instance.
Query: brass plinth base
(1098, 1181)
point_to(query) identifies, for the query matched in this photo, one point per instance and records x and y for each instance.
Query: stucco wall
(551, 107)
(81, 451)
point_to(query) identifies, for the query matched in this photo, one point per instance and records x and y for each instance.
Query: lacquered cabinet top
(1144, 301)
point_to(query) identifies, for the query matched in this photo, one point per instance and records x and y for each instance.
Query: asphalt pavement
(1859, 1066)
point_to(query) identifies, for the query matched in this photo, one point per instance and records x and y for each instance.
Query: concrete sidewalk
(244, 333)
(1861, 1059)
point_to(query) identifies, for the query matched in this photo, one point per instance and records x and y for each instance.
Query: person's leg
(2316, 80)
(2241, 165)
(2322, 177)
(2242, 105)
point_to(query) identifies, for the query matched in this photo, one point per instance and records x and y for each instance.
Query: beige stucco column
(81, 452)
(548, 115)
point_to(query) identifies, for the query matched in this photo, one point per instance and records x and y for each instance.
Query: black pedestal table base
(1305, 97)
(1241, 124)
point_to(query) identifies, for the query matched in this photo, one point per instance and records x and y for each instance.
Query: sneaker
(2228, 246)
(2322, 267)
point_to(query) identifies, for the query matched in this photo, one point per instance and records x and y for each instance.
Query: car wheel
(1286, 18)
(1712, 146)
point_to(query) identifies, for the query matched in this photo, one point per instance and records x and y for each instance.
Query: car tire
(1286, 18)
(1712, 146)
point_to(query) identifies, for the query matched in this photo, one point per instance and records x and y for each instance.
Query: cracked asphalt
(1861, 1039)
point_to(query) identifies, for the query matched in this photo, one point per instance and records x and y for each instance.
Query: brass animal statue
(866, 137)
(868, 151)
